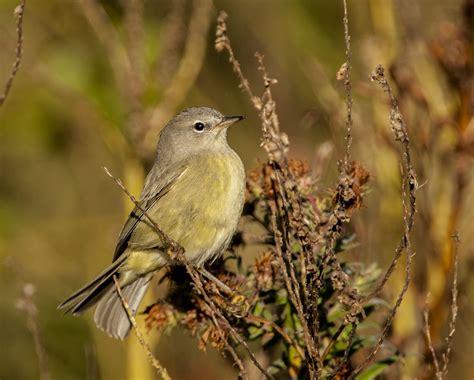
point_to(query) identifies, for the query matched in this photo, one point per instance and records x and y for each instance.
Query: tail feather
(88, 295)
(110, 315)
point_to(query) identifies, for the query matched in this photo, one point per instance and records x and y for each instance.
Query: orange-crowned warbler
(194, 192)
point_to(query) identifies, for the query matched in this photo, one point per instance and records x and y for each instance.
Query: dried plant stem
(138, 333)
(290, 281)
(348, 86)
(222, 42)
(426, 328)
(19, 13)
(408, 176)
(27, 304)
(442, 372)
(454, 307)
(409, 187)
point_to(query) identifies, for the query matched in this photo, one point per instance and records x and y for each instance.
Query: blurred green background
(74, 108)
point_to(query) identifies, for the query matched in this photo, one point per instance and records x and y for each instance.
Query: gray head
(193, 131)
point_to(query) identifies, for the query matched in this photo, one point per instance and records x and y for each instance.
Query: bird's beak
(227, 121)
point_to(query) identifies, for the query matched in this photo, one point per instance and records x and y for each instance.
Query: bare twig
(19, 12)
(442, 372)
(222, 42)
(138, 333)
(26, 304)
(426, 329)
(454, 307)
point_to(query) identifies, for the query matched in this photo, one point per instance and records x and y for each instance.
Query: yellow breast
(202, 209)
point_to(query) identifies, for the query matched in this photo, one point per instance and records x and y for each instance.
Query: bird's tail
(110, 316)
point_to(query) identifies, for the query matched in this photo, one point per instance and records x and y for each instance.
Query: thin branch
(138, 333)
(454, 307)
(26, 304)
(442, 373)
(19, 12)
(426, 329)
(222, 42)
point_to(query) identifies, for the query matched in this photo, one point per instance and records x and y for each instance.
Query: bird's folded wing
(156, 186)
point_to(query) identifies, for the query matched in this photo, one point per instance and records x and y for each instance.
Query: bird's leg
(218, 282)
(238, 305)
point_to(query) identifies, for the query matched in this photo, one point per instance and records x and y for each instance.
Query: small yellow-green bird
(194, 192)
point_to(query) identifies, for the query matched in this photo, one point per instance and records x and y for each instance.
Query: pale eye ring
(198, 126)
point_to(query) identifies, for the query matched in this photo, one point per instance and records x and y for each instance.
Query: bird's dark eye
(198, 126)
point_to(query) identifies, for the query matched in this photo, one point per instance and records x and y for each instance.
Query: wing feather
(156, 186)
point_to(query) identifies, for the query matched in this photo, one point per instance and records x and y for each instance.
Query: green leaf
(255, 332)
(258, 309)
(376, 369)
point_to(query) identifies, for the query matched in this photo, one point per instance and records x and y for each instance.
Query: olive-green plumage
(194, 192)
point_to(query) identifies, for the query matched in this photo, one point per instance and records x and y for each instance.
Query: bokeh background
(96, 75)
